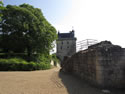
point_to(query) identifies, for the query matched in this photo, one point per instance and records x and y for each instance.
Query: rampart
(102, 64)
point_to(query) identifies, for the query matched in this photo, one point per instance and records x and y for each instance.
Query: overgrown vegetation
(16, 64)
(25, 34)
(54, 57)
(25, 30)
(1, 8)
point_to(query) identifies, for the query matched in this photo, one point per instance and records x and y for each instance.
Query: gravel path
(44, 82)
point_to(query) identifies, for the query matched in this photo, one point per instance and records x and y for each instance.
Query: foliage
(26, 30)
(44, 58)
(54, 58)
(16, 64)
(25, 34)
(1, 8)
(14, 55)
(1, 5)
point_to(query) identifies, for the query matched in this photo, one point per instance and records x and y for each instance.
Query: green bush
(18, 55)
(16, 64)
(55, 59)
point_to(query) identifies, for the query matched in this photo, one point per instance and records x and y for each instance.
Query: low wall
(102, 64)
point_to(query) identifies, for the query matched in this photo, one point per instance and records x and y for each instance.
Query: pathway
(44, 82)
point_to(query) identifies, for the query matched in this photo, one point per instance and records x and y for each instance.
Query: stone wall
(102, 64)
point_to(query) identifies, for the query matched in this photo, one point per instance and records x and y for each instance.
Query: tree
(1, 8)
(25, 29)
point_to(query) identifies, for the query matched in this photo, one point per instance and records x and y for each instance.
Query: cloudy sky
(91, 19)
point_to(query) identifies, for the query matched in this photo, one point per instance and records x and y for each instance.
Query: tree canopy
(1, 8)
(25, 29)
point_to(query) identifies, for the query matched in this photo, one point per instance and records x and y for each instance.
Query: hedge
(16, 64)
(18, 55)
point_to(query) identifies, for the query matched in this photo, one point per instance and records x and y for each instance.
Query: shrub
(18, 55)
(55, 59)
(16, 64)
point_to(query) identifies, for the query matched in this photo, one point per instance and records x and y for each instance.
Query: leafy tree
(25, 29)
(1, 8)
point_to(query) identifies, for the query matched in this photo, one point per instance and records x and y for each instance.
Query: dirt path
(43, 82)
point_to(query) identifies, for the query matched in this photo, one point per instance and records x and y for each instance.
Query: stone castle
(102, 64)
(66, 44)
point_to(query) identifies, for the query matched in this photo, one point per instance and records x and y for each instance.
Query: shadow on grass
(76, 85)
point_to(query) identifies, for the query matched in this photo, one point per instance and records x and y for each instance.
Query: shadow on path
(75, 85)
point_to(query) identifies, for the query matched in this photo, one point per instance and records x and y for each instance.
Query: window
(61, 47)
(67, 42)
(62, 42)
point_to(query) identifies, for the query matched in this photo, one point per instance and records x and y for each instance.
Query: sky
(91, 19)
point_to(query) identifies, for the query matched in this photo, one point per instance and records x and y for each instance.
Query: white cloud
(96, 19)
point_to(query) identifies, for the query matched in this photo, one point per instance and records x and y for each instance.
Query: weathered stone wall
(102, 64)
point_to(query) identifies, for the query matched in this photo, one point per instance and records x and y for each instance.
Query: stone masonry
(102, 64)
(66, 44)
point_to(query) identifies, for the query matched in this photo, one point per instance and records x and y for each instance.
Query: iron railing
(84, 44)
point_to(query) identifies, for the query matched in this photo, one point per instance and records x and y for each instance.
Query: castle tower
(66, 44)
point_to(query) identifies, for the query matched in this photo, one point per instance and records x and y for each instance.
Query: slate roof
(66, 35)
